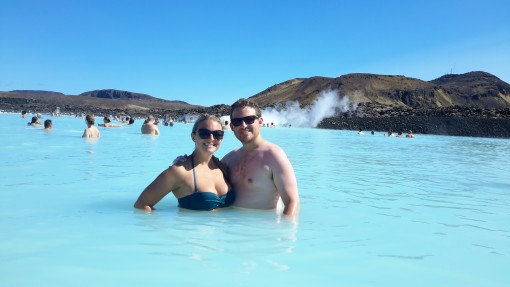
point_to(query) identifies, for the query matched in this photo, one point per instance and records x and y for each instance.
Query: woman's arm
(154, 192)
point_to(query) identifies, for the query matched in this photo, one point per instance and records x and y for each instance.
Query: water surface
(375, 211)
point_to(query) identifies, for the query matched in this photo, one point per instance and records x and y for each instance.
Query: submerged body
(255, 173)
(206, 200)
(91, 131)
(199, 182)
(148, 127)
(259, 171)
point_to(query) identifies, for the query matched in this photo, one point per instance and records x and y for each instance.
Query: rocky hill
(474, 89)
(116, 94)
(99, 102)
(470, 104)
(37, 92)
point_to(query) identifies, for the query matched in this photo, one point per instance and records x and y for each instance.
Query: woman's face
(208, 136)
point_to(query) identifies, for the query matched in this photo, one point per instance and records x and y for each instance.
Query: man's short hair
(241, 103)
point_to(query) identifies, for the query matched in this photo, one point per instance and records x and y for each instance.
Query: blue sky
(214, 52)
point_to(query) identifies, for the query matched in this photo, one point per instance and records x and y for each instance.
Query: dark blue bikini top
(205, 200)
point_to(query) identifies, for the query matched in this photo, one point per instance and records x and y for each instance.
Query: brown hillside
(475, 89)
(116, 94)
(101, 100)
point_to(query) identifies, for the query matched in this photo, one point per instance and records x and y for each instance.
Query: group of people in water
(258, 175)
(48, 124)
(149, 126)
(390, 133)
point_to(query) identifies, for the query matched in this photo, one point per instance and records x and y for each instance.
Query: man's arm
(285, 181)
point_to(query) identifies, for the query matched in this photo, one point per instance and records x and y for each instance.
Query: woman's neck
(201, 158)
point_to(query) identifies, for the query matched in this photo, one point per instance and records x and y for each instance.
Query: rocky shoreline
(452, 121)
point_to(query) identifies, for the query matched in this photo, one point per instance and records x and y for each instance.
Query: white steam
(326, 105)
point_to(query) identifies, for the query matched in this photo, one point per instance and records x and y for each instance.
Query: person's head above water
(48, 124)
(90, 119)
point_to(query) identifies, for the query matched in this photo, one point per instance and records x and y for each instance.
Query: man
(148, 127)
(48, 125)
(226, 126)
(260, 171)
(91, 131)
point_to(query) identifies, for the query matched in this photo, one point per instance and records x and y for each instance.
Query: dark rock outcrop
(116, 94)
(454, 121)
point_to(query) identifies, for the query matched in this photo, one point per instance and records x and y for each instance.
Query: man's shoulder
(273, 153)
(231, 155)
(270, 147)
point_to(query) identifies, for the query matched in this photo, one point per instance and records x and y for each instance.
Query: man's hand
(180, 159)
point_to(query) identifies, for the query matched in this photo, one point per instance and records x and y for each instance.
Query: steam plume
(326, 105)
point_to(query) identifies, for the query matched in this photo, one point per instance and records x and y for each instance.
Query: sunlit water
(375, 211)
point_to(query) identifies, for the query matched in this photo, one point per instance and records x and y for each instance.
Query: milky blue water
(375, 211)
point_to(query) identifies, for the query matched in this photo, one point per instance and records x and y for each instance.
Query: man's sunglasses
(247, 120)
(205, 134)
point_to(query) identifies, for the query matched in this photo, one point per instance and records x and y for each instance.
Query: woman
(91, 131)
(107, 123)
(199, 182)
(35, 122)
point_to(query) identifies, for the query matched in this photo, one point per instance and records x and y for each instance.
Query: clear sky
(214, 52)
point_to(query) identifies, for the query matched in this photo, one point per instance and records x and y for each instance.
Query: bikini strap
(193, 168)
(222, 167)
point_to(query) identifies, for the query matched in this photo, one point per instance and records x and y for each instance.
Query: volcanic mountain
(474, 89)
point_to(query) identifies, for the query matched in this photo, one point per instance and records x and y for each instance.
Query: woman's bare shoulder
(180, 165)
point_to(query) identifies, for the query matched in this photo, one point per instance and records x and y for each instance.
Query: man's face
(245, 124)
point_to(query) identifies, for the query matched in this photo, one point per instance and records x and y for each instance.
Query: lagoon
(375, 211)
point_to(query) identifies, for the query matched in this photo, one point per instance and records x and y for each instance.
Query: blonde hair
(90, 119)
(203, 118)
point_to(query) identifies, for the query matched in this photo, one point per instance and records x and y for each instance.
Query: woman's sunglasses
(205, 134)
(247, 120)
